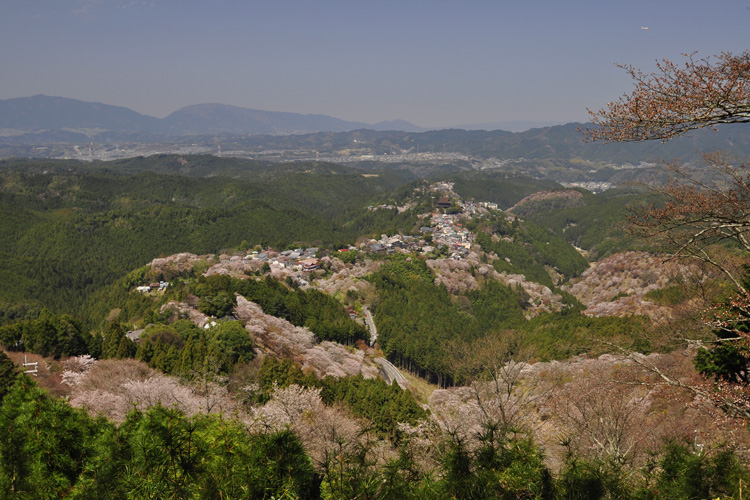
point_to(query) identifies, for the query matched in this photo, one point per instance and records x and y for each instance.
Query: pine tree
(145, 351)
(187, 361)
(44, 443)
(126, 348)
(8, 374)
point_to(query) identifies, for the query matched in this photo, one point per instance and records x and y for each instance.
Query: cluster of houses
(391, 244)
(153, 287)
(298, 260)
(446, 230)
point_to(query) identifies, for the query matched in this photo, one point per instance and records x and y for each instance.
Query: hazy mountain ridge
(221, 118)
(510, 126)
(41, 113)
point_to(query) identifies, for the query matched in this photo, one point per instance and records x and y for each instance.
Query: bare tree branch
(677, 98)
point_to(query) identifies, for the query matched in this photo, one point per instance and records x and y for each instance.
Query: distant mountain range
(30, 122)
(57, 117)
(45, 114)
(509, 126)
(558, 143)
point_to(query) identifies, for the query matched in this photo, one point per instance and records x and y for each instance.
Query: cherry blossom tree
(707, 221)
(671, 101)
(325, 431)
(698, 217)
(700, 92)
(605, 418)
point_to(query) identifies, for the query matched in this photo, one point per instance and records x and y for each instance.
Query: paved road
(387, 370)
(370, 325)
(391, 373)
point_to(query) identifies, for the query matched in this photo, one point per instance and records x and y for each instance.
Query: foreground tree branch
(734, 399)
(677, 98)
(707, 221)
(697, 218)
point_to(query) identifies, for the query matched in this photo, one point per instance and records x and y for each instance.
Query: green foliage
(597, 225)
(230, 343)
(44, 443)
(49, 335)
(682, 472)
(728, 356)
(528, 249)
(726, 361)
(417, 319)
(408, 269)
(50, 450)
(181, 348)
(135, 278)
(671, 296)
(117, 303)
(285, 470)
(8, 374)
(163, 454)
(565, 334)
(116, 344)
(591, 480)
(382, 404)
(348, 257)
(218, 305)
(281, 373)
(497, 306)
(501, 468)
(354, 474)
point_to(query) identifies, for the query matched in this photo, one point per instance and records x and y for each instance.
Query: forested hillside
(594, 222)
(70, 229)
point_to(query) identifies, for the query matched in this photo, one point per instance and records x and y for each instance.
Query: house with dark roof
(444, 202)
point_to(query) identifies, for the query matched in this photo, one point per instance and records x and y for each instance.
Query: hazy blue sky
(433, 63)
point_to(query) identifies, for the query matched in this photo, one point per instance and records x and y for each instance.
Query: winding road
(370, 325)
(387, 370)
(390, 373)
